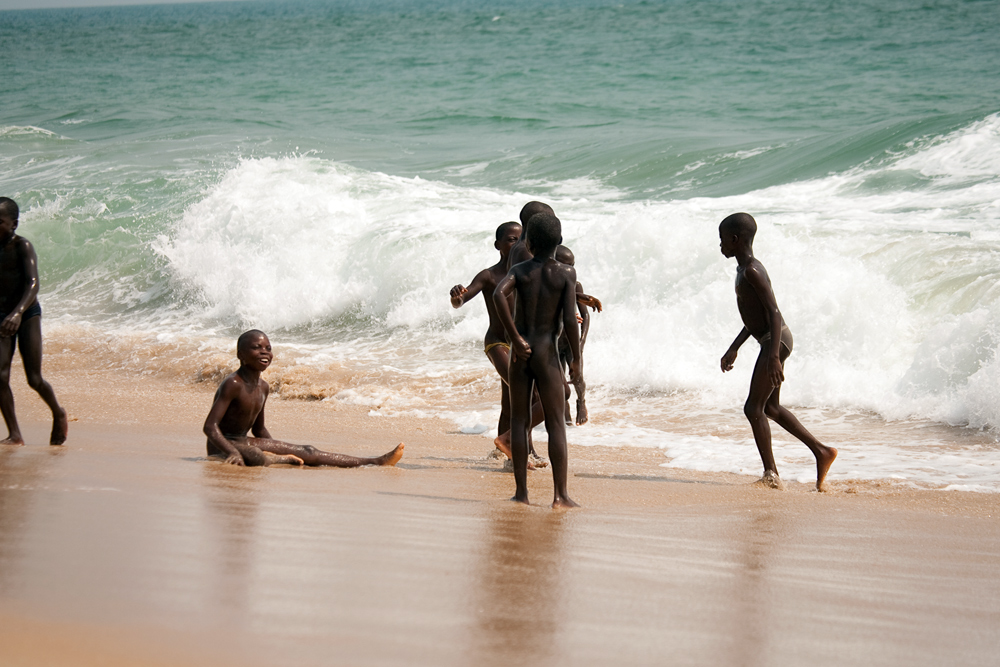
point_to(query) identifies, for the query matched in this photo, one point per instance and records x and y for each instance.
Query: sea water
(327, 171)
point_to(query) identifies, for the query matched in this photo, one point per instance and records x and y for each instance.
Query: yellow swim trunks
(493, 345)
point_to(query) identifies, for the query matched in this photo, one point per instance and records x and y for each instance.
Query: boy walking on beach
(495, 343)
(238, 407)
(545, 304)
(21, 325)
(763, 321)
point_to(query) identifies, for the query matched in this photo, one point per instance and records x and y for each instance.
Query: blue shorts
(34, 310)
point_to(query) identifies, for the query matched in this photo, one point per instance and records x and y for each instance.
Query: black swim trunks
(34, 310)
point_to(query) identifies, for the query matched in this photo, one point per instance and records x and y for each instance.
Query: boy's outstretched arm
(461, 295)
(520, 347)
(215, 415)
(12, 322)
(757, 277)
(729, 358)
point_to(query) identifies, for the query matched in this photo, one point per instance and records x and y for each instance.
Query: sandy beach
(128, 547)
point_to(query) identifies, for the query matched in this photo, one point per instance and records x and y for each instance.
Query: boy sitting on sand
(21, 325)
(545, 304)
(763, 321)
(238, 407)
(495, 344)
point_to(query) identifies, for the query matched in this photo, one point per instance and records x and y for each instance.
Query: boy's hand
(728, 359)
(775, 372)
(456, 295)
(588, 301)
(521, 349)
(10, 325)
(235, 459)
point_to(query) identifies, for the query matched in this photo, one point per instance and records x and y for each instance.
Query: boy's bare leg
(499, 356)
(29, 338)
(521, 383)
(317, 457)
(824, 455)
(754, 409)
(773, 409)
(6, 395)
(551, 383)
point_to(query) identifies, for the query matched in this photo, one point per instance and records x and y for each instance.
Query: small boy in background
(565, 255)
(545, 304)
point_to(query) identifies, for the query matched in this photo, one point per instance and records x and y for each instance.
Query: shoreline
(136, 549)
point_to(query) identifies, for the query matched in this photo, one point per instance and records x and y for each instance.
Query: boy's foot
(581, 412)
(60, 428)
(823, 464)
(519, 498)
(271, 459)
(536, 461)
(12, 441)
(504, 447)
(563, 502)
(771, 481)
(392, 458)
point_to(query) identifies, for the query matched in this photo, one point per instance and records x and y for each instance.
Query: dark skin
(238, 407)
(19, 281)
(759, 311)
(486, 282)
(545, 306)
(564, 255)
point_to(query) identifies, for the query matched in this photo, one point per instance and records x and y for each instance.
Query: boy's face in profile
(256, 354)
(7, 226)
(727, 242)
(509, 239)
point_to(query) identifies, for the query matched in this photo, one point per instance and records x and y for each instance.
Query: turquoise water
(326, 171)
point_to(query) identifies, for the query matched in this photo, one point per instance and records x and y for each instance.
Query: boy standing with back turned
(763, 321)
(21, 325)
(545, 305)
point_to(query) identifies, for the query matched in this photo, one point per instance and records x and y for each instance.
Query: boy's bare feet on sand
(392, 458)
(60, 428)
(12, 441)
(771, 481)
(581, 412)
(504, 447)
(271, 459)
(536, 461)
(823, 464)
(563, 502)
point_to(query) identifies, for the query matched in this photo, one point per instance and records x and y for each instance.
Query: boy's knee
(753, 411)
(35, 381)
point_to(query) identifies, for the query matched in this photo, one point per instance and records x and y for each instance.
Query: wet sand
(127, 547)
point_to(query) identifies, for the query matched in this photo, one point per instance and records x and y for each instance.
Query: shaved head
(741, 224)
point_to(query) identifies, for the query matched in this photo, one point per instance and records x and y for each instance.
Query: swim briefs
(786, 338)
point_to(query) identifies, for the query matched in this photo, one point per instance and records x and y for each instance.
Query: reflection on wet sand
(519, 590)
(750, 613)
(22, 471)
(230, 513)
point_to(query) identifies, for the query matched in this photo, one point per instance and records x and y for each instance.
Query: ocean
(327, 171)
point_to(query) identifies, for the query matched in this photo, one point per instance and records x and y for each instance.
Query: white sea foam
(890, 291)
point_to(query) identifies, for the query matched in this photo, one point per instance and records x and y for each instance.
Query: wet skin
(759, 311)
(238, 407)
(545, 305)
(19, 281)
